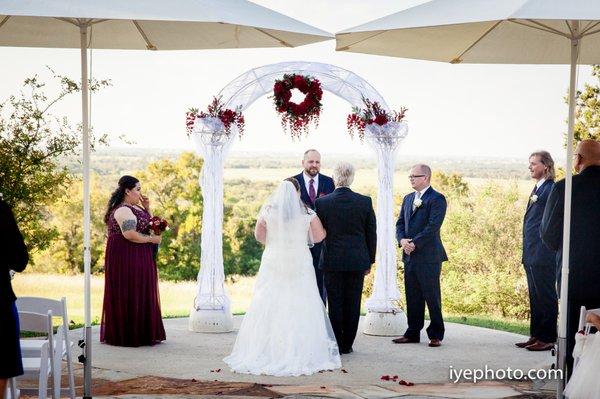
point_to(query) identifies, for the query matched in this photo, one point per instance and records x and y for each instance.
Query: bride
(286, 331)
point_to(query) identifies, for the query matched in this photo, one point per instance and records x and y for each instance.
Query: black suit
(325, 187)
(348, 251)
(584, 249)
(423, 266)
(13, 256)
(539, 262)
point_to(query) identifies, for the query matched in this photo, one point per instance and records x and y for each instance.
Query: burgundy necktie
(312, 194)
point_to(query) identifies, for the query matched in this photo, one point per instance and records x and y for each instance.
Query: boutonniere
(533, 198)
(418, 202)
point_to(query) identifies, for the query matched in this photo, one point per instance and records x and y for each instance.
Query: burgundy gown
(131, 310)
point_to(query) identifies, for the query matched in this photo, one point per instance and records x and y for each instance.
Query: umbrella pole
(87, 369)
(564, 282)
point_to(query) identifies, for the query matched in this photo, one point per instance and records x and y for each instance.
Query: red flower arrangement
(297, 117)
(372, 113)
(216, 109)
(157, 225)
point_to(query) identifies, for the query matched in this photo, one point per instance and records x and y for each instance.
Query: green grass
(176, 299)
(513, 326)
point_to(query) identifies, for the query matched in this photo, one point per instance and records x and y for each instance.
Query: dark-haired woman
(131, 311)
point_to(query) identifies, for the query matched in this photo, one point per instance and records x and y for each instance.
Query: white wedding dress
(584, 382)
(286, 331)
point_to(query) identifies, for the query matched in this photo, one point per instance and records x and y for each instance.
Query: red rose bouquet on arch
(358, 120)
(217, 109)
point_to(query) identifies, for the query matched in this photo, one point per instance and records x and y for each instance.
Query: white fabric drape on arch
(242, 92)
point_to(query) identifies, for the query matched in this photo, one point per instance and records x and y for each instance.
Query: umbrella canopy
(141, 24)
(483, 31)
(151, 24)
(495, 32)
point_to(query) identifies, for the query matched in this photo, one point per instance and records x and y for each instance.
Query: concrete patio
(186, 355)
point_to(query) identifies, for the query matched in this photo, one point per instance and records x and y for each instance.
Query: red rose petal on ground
(344, 371)
(323, 387)
(402, 382)
(385, 377)
(194, 380)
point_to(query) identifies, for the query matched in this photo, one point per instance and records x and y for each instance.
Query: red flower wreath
(372, 113)
(297, 117)
(216, 109)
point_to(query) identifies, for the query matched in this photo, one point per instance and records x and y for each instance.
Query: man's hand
(407, 246)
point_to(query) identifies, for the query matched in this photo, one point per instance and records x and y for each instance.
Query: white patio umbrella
(141, 24)
(494, 32)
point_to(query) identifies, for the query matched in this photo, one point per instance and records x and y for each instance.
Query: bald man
(584, 251)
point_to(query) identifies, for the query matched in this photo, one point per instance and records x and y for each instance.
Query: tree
(32, 142)
(175, 195)
(64, 254)
(587, 110)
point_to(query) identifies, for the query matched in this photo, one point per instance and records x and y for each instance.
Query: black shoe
(346, 351)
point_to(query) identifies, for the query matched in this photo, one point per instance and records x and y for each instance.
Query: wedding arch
(211, 309)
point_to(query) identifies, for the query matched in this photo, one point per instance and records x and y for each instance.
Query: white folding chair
(31, 347)
(43, 366)
(586, 327)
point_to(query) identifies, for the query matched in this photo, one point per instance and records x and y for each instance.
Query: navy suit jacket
(349, 220)
(584, 251)
(535, 252)
(423, 227)
(326, 186)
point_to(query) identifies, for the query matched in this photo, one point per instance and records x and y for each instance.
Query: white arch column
(211, 311)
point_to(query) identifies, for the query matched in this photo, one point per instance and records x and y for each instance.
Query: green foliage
(587, 110)
(451, 184)
(32, 140)
(241, 251)
(482, 237)
(65, 253)
(175, 195)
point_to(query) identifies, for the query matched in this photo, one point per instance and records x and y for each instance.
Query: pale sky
(454, 110)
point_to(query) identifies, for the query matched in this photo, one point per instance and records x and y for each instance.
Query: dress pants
(344, 291)
(422, 286)
(543, 301)
(316, 255)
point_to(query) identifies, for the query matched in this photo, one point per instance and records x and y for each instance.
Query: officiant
(313, 185)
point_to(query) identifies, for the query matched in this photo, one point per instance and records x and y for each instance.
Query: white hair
(343, 174)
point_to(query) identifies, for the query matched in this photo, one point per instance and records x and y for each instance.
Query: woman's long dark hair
(125, 183)
(296, 184)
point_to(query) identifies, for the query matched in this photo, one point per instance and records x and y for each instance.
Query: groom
(418, 234)
(312, 186)
(348, 252)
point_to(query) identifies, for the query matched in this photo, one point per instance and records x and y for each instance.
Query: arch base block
(385, 324)
(210, 321)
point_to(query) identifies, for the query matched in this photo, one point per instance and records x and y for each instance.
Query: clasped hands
(407, 245)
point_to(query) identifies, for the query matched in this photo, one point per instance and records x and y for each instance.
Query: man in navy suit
(538, 260)
(348, 252)
(584, 249)
(418, 234)
(312, 186)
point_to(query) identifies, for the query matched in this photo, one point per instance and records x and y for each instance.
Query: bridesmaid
(131, 310)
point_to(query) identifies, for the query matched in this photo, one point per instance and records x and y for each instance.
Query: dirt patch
(171, 386)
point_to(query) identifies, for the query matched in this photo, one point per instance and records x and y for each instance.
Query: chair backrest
(42, 305)
(36, 322)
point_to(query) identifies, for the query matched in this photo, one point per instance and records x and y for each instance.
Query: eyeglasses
(415, 176)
